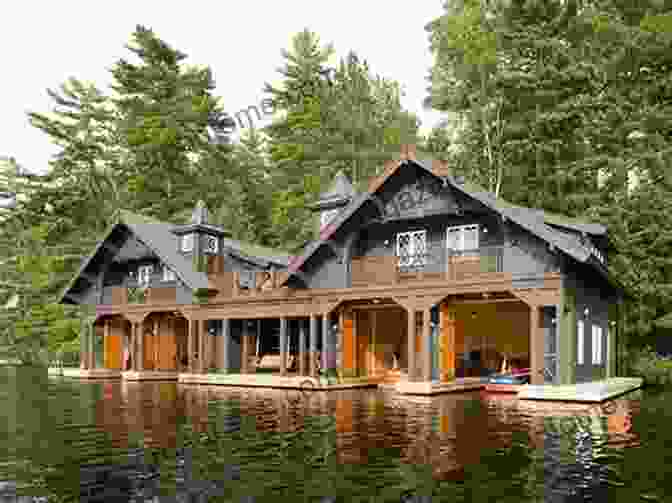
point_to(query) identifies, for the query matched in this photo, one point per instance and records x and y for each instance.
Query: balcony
(437, 264)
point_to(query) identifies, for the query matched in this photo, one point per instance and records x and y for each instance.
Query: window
(462, 237)
(168, 274)
(597, 345)
(211, 244)
(412, 248)
(144, 274)
(579, 342)
(187, 242)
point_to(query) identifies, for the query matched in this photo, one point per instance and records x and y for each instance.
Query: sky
(45, 43)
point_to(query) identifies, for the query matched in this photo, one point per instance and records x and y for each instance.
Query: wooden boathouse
(423, 282)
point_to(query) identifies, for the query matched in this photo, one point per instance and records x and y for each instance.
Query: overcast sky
(44, 43)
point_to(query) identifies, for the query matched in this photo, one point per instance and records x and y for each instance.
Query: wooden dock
(77, 373)
(595, 392)
(273, 381)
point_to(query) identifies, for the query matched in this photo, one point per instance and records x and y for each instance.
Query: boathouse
(424, 282)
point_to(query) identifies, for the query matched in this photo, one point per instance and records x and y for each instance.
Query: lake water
(65, 440)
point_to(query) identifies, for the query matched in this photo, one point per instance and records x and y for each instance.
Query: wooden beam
(283, 346)
(536, 347)
(226, 351)
(427, 345)
(411, 343)
(313, 345)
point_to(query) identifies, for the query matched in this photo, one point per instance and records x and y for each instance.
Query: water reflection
(167, 442)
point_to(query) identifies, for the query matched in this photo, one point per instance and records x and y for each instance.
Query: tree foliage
(563, 102)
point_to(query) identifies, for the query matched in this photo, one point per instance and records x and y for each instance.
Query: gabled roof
(533, 220)
(160, 239)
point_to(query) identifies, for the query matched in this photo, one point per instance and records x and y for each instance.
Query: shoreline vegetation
(562, 130)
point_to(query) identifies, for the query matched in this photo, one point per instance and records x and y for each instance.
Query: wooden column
(92, 345)
(203, 346)
(245, 351)
(536, 347)
(226, 344)
(411, 344)
(134, 346)
(303, 348)
(328, 346)
(283, 346)
(106, 335)
(155, 343)
(427, 345)
(339, 341)
(190, 346)
(141, 347)
(313, 345)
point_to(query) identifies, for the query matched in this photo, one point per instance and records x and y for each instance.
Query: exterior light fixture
(473, 315)
(554, 320)
(586, 312)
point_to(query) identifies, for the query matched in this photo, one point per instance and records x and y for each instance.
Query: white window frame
(597, 345)
(168, 274)
(413, 259)
(460, 231)
(580, 348)
(187, 243)
(211, 239)
(145, 275)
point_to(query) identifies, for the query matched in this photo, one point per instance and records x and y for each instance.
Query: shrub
(654, 369)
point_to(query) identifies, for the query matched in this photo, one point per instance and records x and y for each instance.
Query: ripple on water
(164, 437)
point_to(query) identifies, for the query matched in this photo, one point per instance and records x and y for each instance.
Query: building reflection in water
(446, 433)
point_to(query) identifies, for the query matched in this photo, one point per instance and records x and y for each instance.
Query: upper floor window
(412, 248)
(211, 244)
(462, 237)
(187, 244)
(144, 274)
(168, 274)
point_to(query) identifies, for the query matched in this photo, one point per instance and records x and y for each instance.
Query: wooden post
(411, 343)
(106, 335)
(92, 348)
(202, 345)
(327, 343)
(155, 343)
(141, 353)
(313, 345)
(283, 346)
(536, 347)
(245, 351)
(226, 351)
(190, 346)
(302, 348)
(134, 346)
(339, 341)
(427, 342)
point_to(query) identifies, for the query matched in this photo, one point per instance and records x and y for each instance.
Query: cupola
(332, 201)
(199, 238)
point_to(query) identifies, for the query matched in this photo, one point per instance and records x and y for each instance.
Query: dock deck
(589, 392)
(595, 392)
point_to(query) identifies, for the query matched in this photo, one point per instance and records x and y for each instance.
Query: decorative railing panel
(438, 264)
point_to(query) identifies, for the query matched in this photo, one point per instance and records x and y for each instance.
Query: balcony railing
(438, 263)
